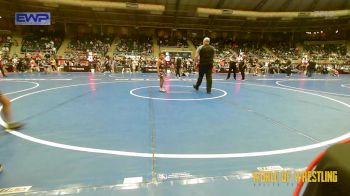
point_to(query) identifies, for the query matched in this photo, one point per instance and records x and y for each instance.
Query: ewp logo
(33, 18)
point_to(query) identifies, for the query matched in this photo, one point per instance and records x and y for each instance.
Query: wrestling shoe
(14, 125)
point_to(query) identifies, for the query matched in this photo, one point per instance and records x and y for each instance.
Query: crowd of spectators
(253, 50)
(173, 42)
(223, 47)
(88, 43)
(5, 44)
(137, 54)
(133, 46)
(41, 43)
(326, 51)
(284, 50)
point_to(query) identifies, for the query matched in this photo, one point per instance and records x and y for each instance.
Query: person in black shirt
(107, 65)
(288, 67)
(205, 54)
(232, 67)
(241, 65)
(311, 67)
(178, 66)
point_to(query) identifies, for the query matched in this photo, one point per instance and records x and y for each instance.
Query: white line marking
(13, 190)
(345, 85)
(194, 181)
(40, 79)
(61, 79)
(188, 79)
(278, 83)
(180, 92)
(270, 168)
(268, 79)
(60, 87)
(36, 85)
(137, 79)
(297, 79)
(183, 156)
(175, 99)
(116, 75)
(133, 180)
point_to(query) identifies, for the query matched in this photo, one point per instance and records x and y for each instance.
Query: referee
(232, 67)
(205, 54)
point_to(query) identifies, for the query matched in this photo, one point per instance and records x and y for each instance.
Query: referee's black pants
(242, 73)
(207, 70)
(232, 68)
